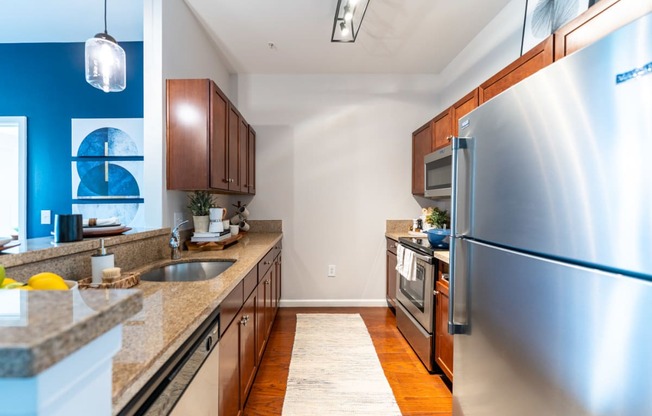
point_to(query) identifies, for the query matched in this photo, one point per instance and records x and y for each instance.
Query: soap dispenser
(99, 262)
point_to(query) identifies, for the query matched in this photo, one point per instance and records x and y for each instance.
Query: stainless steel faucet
(174, 241)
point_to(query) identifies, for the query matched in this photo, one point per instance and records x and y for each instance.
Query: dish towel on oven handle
(405, 263)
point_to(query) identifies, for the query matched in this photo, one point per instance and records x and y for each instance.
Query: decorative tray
(9, 245)
(213, 245)
(104, 231)
(125, 281)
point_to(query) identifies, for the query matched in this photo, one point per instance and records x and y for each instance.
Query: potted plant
(440, 220)
(200, 204)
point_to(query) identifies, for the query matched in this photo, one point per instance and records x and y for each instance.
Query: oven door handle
(427, 259)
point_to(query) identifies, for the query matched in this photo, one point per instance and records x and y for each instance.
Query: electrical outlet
(178, 218)
(46, 216)
(331, 270)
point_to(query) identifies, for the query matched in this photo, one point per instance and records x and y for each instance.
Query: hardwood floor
(417, 392)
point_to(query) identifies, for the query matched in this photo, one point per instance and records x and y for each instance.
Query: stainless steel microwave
(438, 173)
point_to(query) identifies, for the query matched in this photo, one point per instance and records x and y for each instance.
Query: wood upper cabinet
(251, 162)
(602, 18)
(422, 141)
(443, 129)
(535, 59)
(463, 107)
(207, 139)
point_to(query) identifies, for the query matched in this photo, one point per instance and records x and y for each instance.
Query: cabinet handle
(267, 262)
(435, 292)
(449, 138)
(225, 180)
(244, 320)
(394, 246)
(266, 282)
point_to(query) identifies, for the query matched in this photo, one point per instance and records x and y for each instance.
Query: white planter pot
(201, 223)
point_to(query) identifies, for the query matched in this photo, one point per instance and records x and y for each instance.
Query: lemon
(6, 282)
(25, 287)
(15, 285)
(47, 281)
(45, 275)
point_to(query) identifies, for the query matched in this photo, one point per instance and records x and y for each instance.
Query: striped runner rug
(334, 370)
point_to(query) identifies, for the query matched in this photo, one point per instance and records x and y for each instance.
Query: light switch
(46, 215)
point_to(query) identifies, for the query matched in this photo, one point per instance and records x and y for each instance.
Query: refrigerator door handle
(460, 194)
(456, 276)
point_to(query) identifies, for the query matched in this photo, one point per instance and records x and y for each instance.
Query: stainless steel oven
(415, 304)
(417, 295)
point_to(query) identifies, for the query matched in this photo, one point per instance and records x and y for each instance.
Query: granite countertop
(40, 328)
(172, 311)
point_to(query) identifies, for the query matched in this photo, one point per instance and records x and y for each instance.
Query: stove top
(422, 245)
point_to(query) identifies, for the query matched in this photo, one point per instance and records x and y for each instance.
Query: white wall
(496, 46)
(334, 162)
(176, 46)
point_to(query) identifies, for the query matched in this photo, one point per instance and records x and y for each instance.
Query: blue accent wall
(46, 83)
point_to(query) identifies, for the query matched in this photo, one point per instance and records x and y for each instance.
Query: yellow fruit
(2, 274)
(6, 282)
(25, 287)
(15, 285)
(45, 275)
(48, 283)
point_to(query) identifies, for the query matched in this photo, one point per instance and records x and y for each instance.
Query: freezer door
(548, 338)
(561, 161)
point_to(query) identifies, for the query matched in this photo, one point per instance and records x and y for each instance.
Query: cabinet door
(443, 129)
(277, 288)
(243, 140)
(463, 107)
(234, 137)
(443, 340)
(391, 279)
(248, 353)
(262, 307)
(219, 144)
(599, 20)
(535, 59)
(187, 137)
(251, 162)
(271, 301)
(421, 146)
(229, 390)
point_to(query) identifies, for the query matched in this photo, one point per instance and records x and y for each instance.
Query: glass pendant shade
(106, 67)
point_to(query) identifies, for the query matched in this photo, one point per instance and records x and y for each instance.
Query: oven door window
(414, 290)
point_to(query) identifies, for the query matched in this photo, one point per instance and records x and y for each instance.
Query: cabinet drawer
(391, 245)
(266, 262)
(230, 306)
(250, 282)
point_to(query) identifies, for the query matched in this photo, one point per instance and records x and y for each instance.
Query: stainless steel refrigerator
(552, 239)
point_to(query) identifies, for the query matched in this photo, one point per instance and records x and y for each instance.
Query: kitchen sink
(187, 271)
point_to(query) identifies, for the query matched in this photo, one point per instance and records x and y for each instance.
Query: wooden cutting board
(213, 245)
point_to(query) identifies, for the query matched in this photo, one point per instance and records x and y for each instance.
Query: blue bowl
(436, 235)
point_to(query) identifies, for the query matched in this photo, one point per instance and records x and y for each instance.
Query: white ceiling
(397, 36)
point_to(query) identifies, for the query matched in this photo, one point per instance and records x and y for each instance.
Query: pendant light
(106, 67)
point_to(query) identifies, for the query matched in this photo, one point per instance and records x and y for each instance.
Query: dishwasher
(187, 384)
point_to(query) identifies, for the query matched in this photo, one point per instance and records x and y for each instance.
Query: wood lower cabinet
(390, 278)
(245, 333)
(602, 18)
(208, 140)
(443, 340)
(229, 384)
(248, 354)
(535, 59)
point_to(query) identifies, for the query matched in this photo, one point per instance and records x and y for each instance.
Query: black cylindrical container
(68, 227)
